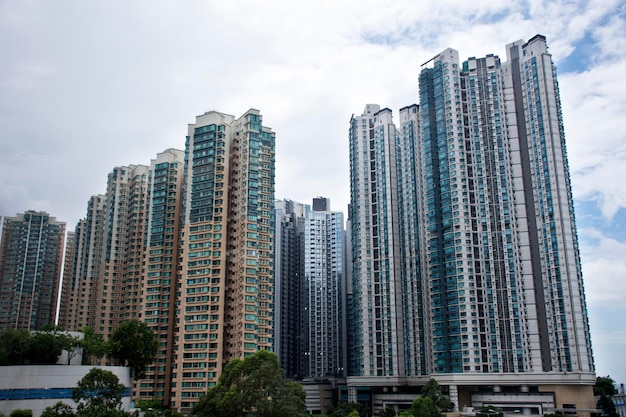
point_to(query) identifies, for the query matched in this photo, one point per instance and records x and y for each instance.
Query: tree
(45, 347)
(605, 403)
(134, 344)
(256, 385)
(605, 388)
(432, 390)
(425, 407)
(99, 393)
(605, 385)
(60, 409)
(14, 346)
(345, 408)
(18, 412)
(388, 411)
(72, 345)
(94, 346)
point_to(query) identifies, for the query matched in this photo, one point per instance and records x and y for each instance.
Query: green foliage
(134, 344)
(60, 409)
(14, 344)
(21, 413)
(432, 390)
(605, 388)
(608, 407)
(353, 413)
(344, 409)
(605, 385)
(425, 407)
(489, 411)
(143, 405)
(45, 348)
(98, 391)
(20, 347)
(255, 384)
(388, 411)
(94, 346)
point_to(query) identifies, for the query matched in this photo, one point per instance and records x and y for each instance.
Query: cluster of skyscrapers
(459, 260)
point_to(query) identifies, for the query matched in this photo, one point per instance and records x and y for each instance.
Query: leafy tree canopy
(134, 345)
(21, 413)
(94, 346)
(432, 390)
(388, 411)
(605, 385)
(97, 391)
(424, 406)
(43, 347)
(255, 386)
(605, 403)
(344, 409)
(14, 346)
(60, 409)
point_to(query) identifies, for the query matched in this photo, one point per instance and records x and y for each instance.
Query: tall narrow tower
(227, 278)
(323, 278)
(289, 295)
(31, 253)
(379, 344)
(83, 270)
(158, 282)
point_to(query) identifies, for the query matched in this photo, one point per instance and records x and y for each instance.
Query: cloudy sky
(86, 86)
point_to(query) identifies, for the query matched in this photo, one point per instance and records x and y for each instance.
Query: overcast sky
(86, 86)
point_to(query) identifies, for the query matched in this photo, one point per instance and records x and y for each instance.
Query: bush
(60, 409)
(21, 413)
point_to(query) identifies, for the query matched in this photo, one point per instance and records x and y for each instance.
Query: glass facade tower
(464, 246)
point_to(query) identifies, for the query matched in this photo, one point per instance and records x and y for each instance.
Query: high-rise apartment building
(289, 290)
(118, 286)
(31, 254)
(465, 255)
(227, 278)
(324, 286)
(65, 305)
(82, 269)
(158, 286)
(377, 291)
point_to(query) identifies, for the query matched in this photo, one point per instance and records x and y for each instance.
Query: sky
(86, 86)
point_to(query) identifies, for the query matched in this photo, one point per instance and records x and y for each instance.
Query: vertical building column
(454, 396)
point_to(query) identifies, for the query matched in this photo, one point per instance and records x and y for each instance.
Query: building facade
(82, 269)
(324, 289)
(289, 296)
(479, 251)
(67, 286)
(31, 255)
(156, 294)
(227, 277)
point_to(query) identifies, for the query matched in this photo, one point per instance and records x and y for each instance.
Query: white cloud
(594, 104)
(604, 268)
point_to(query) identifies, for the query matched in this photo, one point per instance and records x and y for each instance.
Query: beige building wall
(157, 293)
(226, 281)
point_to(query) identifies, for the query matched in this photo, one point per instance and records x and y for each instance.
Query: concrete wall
(36, 387)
